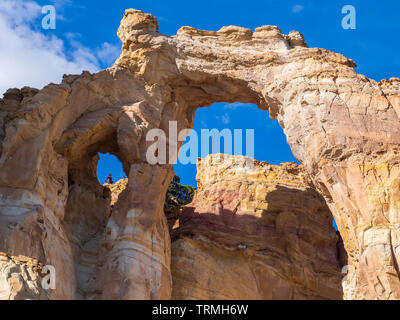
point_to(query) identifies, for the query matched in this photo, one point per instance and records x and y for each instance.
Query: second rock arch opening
(261, 234)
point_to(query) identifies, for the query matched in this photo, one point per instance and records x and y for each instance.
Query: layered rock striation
(259, 233)
(342, 126)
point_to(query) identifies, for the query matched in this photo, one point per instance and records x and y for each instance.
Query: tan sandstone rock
(21, 278)
(342, 126)
(271, 237)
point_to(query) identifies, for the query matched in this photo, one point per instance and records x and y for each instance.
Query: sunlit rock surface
(21, 278)
(261, 233)
(342, 126)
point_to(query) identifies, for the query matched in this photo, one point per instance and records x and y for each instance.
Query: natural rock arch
(341, 125)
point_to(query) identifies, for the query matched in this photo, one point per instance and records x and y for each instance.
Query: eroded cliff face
(342, 126)
(21, 278)
(261, 233)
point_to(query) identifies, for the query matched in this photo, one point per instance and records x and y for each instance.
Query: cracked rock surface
(342, 126)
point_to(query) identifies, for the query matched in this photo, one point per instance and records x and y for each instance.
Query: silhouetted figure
(226, 215)
(234, 213)
(109, 179)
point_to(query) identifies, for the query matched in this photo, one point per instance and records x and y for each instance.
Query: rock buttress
(263, 233)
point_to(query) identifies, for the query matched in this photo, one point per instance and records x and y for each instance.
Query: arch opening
(231, 212)
(237, 116)
(90, 205)
(109, 164)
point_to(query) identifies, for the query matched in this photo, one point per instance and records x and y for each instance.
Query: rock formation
(21, 278)
(342, 126)
(270, 238)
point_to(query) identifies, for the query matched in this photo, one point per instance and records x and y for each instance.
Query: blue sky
(85, 38)
(372, 45)
(269, 140)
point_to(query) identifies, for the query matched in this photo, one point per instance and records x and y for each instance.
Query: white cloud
(236, 105)
(108, 53)
(29, 57)
(297, 8)
(60, 4)
(225, 118)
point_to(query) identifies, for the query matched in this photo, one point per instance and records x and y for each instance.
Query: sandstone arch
(341, 125)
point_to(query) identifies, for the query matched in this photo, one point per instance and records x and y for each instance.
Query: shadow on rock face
(279, 245)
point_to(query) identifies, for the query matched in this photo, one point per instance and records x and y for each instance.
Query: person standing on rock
(109, 179)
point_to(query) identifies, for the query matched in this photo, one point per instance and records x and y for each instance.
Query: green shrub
(178, 194)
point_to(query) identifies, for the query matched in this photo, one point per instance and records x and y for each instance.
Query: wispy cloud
(236, 105)
(297, 8)
(105, 54)
(225, 118)
(203, 124)
(60, 6)
(29, 57)
(108, 53)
